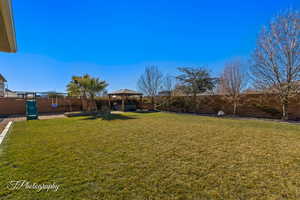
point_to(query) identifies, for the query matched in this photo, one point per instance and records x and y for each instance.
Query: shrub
(267, 109)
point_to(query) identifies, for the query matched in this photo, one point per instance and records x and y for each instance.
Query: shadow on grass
(146, 111)
(109, 117)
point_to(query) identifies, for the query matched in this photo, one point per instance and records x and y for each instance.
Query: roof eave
(7, 29)
(2, 77)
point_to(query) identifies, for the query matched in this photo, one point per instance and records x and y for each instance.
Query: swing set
(54, 104)
(54, 98)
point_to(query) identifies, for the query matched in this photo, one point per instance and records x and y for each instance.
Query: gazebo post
(123, 103)
(109, 102)
(141, 101)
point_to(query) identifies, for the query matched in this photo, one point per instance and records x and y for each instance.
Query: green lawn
(152, 156)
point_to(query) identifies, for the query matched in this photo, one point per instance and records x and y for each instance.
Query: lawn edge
(240, 118)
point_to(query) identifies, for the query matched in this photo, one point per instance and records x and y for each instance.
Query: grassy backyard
(153, 156)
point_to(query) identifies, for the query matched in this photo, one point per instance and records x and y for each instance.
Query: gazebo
(124, 94)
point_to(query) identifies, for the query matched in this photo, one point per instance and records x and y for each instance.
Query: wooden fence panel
(17, 106)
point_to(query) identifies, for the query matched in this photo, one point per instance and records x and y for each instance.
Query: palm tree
(94, 87)
(76, 89)
(86, 87)
(73, 87)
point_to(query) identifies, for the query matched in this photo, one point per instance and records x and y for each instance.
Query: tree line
(274, 66)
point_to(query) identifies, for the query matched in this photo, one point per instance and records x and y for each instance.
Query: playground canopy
(7, 29)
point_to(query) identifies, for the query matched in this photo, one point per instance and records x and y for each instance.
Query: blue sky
(115, 40)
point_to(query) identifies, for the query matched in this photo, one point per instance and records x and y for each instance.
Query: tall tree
(195, 80)
(233, 81)
(276, 59)
(150, 82)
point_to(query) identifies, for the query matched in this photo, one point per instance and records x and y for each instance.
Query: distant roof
(125, 92)
(2, 78)
(7, 29)
(252, 91)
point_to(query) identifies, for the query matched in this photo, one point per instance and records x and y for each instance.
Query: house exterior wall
(10, 94)
(2, 88)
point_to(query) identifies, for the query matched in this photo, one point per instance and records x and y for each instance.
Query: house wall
(2, 87)
(10, 94)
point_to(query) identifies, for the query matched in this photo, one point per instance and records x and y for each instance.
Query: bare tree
(150, 82)
(168, 84)
(167, 91)
(233, 81)
(276, 59)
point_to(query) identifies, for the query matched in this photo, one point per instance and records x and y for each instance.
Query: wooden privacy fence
(16, 106)
(250, 105)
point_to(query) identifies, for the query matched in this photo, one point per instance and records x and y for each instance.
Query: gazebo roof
(125, 92)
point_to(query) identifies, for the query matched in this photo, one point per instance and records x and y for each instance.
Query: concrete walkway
(5, 131)
(4, 121)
